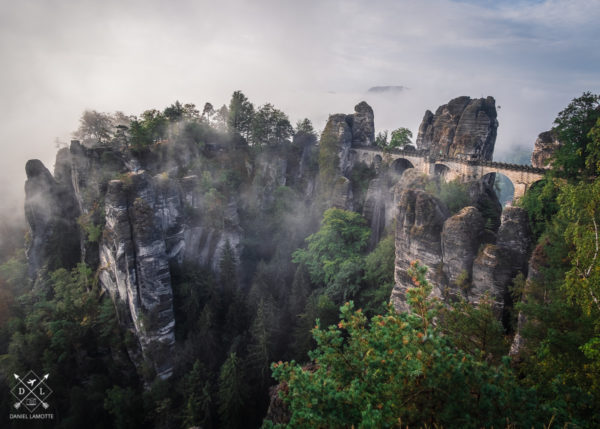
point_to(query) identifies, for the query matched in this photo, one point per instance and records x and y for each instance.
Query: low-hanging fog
(309, 59)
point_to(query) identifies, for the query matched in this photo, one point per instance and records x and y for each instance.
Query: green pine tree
(232, 394)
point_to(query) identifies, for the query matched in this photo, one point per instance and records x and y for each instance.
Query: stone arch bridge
(461, 168)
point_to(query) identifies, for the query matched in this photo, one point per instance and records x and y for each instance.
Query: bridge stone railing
(424, 153)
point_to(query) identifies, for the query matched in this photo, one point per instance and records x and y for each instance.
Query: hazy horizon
(309, 59)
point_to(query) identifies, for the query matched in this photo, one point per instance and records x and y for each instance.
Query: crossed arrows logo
(31, 391)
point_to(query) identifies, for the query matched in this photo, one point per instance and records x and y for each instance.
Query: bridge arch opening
(400, 165)
(503, 187)
(441, 170)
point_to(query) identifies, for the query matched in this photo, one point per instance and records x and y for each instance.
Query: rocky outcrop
(461, 238)
(278, 412)
(342, 197)
(461, 260)
(461, 128)
(515, 235)
(492, 274)
(378, 197)
(343, 131)
(363, 125)
(497, 265)
(419, 227)
(337, 138)
(51, 213)
(270, 170)
(90, 171)
(149, 222)
(135, 268)
(412, 179)
(189, 237)
(483, 196)
(535, 278)
(545, 146)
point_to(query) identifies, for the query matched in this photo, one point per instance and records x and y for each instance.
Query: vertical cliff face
(535, 278)
(134, 267)
(463, 127)
(146, 222)
(461, 238)
(363, 126)
(454, 248)
(497, 265)
(357, 129)
(419, 227)
(545, 145)
(51, 213)
(378, 197)
(270, 172)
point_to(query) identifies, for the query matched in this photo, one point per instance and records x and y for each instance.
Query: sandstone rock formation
(147, 225)
(419, 227)
(461, 128)
(135, 268)
(363, 126)
(484, 198)
(455, 251)
(461, 238)
(497, 265)
(269, 173)
(51, 213)
(535, 278)
(545, 145)
(341, 196)
(349, 130)
(378, 197)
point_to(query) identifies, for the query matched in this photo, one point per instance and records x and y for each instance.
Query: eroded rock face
(51, 213)
(348, 130)
(535, 278)
(90, 170)
(484, 198)
(135, 267)
(461, 238)
(270, 171)
(491, 275)
(462, 128)
(497, 265)
(419, 227)
(378, 197)
(150, 221)
(342, 197)
(545, 145)
(461, 260)
(515, 235)
(363, 125)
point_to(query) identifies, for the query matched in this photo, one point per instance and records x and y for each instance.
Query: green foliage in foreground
(399, 370)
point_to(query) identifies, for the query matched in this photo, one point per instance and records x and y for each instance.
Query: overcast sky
(309, 58)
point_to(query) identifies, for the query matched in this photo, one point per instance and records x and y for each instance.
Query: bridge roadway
(461, 168)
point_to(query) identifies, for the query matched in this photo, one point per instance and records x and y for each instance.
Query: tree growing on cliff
(575, 158)
(241, 112)
(270, 126)
(400, 138)
(95, 127)
(208, 111)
